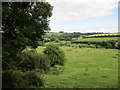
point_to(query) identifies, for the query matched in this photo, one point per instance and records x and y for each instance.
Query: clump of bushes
(34, 78)
(113, 44)
(56, 56)
(33, 60)
(13, 79)
(29, 73)
(117, 45)
(19, 79)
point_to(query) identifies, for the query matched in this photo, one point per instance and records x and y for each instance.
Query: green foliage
(108, 45)
(62, 36)
(102, 42)
(41, 43)
(68, 43)
(33, 60)
(117, 45)
(23, 24)
(34, 79)
(18, 79)
(56, 55)
(14, 79)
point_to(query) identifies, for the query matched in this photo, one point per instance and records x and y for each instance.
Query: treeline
(113, 44)
(62, 37)
(91, 33)
(103, 36)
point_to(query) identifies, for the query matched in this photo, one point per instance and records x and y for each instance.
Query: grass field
(54, 34)
(107, 34)
(97, 39)
(86, 68)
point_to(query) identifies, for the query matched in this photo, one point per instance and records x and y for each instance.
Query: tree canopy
(23, 24)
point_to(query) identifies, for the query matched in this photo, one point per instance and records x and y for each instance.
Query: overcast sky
(84, 15)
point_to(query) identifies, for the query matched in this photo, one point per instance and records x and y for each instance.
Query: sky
(84, 16)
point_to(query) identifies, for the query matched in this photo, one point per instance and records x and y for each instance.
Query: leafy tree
(23, 24)
(56, 55)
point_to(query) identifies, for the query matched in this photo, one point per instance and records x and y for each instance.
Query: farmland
(107, 34)
(97, 39)
(86, 68)
(67, 54)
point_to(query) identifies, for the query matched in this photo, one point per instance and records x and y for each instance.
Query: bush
(18, 79)
(33, 60)
(112, 43)
(56, 55)
(34, 78)
(13, 79)
(108, 45)
(117, 45)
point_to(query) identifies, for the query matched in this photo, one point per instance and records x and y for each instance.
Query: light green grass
(97, 39)
(54, 34)
(57, 43)
(86, 68)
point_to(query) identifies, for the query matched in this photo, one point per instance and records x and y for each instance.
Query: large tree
(23, 24)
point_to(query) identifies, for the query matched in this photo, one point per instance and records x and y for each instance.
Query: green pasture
(56, 43)
(54, 34)
(96, 39)
(86, 68)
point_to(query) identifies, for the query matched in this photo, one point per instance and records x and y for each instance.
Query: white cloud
(69, 10)
(84, 29)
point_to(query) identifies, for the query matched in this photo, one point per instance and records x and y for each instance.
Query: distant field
(54, 33)
(107, 34)
(96, 39)
(57, 43)
(86, 68)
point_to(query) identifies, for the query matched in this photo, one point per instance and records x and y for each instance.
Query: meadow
(96, 39)
(85, 68)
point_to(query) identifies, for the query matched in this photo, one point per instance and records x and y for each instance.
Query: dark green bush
(117, 45)
(33, 60)
(56, 55)
(108, 45)
(13, 79)
(34, 78)
(18, 79)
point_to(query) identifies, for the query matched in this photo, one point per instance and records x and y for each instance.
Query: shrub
(103, 43)
(34, 78)
(108, 45)
(18, 79)
(112, 43)
(117, 45)
(14, 79)
(56, 55)
(33, 60)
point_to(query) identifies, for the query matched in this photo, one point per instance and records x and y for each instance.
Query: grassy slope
(98, 39)
(101, 64)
